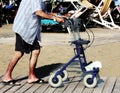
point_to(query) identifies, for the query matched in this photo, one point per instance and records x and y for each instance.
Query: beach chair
(102, 11)
(99, 15)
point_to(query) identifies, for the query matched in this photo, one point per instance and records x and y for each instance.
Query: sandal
(39, 81)
(11, 82)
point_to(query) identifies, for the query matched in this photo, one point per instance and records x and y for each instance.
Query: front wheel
(89, 82)
(55, 81)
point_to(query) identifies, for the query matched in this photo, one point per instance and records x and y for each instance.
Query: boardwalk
(74, 85)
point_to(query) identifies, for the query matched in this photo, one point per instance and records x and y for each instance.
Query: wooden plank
(4, 88)
(50, 90)
(88, 90)
(1, 85)
(101, 84)
(106, 85)
(33, 88)
(72, 85)
(24, 88)
(15, 88)
(66, 83)
(117, 86)
(42, 88)
(79, 88)
(109, 85)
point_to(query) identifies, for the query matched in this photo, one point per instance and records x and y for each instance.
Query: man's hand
(59, 19)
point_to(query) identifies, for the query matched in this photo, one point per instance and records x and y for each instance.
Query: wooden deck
(74, 85)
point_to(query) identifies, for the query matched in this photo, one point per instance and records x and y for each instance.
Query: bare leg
(33, 62)
(8, 75)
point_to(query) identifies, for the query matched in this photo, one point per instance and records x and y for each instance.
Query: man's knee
(18, 54)
(36, 52)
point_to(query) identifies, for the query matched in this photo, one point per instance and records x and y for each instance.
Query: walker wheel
(55, 82)
(87, 80)
(64, 75)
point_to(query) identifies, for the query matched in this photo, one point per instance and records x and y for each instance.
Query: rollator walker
(90, 69)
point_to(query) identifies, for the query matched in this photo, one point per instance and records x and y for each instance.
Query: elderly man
(27, 29)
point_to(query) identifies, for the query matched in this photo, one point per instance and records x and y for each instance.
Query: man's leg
(8, 75)
(32, 65)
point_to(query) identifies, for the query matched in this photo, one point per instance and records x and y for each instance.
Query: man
(27, 28)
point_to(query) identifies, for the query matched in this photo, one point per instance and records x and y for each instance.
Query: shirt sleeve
(36, 5)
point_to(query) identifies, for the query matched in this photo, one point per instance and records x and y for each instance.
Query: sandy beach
(56, 50)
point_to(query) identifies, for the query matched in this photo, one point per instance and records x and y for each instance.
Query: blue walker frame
(79, 54)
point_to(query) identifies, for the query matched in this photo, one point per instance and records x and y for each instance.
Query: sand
(57, 50)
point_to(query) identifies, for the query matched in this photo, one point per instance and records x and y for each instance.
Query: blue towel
(48, 22)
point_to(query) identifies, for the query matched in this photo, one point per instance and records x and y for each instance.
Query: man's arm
(49, 16)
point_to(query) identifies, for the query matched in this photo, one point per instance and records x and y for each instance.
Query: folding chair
(102, 11)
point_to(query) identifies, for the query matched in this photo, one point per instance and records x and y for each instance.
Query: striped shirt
(26, 23)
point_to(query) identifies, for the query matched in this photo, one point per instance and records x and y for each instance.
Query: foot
(6, 79)
(32, 80)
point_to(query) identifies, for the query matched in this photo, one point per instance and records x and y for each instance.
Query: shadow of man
(44, 71)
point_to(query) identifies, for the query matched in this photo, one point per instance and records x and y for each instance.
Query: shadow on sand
(44, 71)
